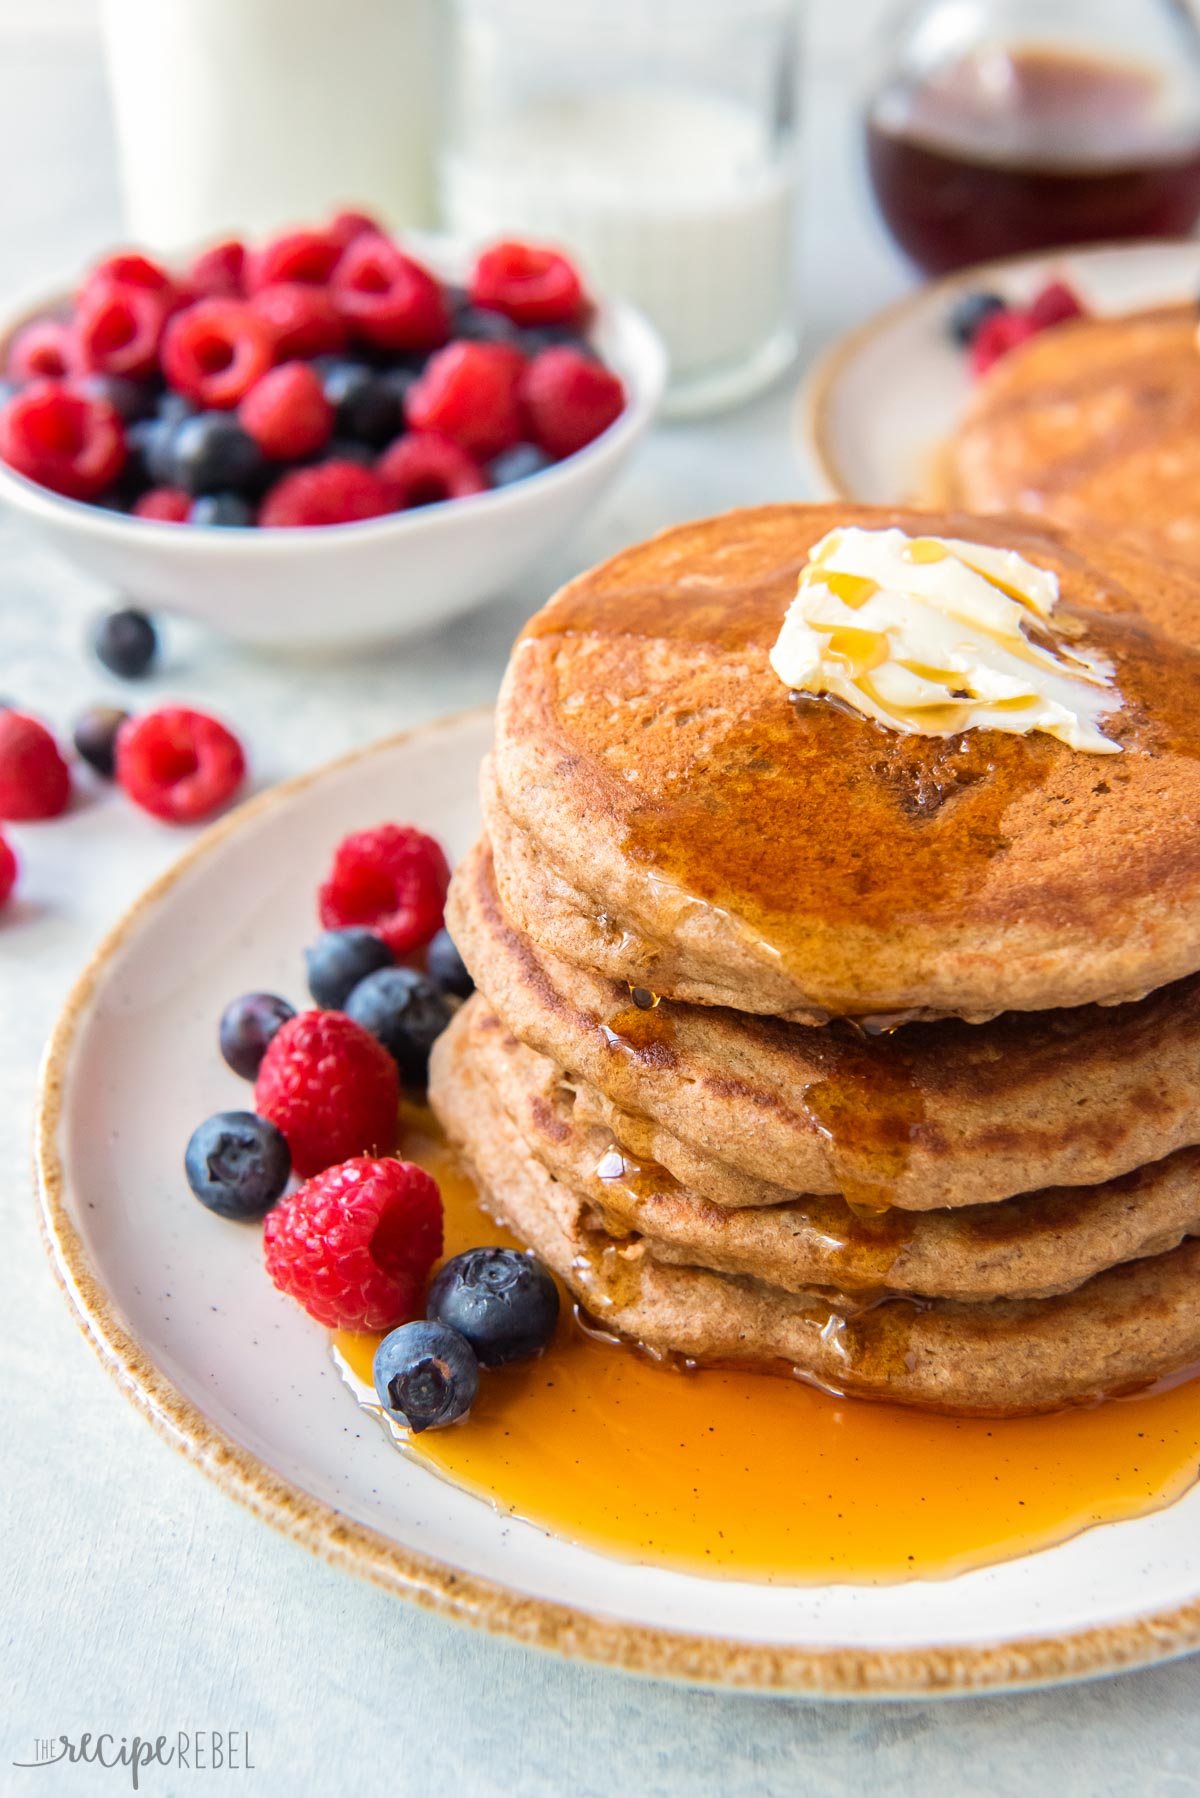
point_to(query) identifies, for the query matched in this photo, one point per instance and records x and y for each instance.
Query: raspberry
(336, 492)
(330, 1087)
(295, 256)
(393, 879)
(568, 400)
(344, 227)
(388, 299)
(9, 870)
(43, 350)
(62, 439)
(215, 350)
(178, 764)
(302, 320)
(287, 413)
(1055, 305)
(119, 329)
(217, 273)
(35, 781)
(128, 268)
(167, 505)
(355, 1245)
(531, 286)
(425, 467)
(468, 391)
(1002, 332)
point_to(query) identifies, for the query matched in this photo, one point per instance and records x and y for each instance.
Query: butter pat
(934, 635)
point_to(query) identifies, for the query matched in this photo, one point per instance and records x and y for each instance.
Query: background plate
(880, 401)
(178, 1307)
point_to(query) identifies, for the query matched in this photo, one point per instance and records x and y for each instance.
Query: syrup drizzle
(751, 1477)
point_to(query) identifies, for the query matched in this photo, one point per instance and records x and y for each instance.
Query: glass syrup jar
(1000, 126)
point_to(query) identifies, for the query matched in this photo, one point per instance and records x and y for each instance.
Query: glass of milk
(245, 115)
(654, 139)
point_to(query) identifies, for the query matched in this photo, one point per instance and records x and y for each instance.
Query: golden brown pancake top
(646, 744)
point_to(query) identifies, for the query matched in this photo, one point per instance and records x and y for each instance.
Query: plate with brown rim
(175, 1303)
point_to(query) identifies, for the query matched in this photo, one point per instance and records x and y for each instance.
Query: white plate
(878, 404)
(176, 1303)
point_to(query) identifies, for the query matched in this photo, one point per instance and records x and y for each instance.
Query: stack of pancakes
(805, 1044)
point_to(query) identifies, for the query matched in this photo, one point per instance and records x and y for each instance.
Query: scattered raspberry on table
(178, 764)
(35, 781)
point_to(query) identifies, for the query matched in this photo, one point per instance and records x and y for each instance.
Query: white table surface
(137, 1599)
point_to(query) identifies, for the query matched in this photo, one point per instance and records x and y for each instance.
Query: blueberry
(970, 312)
(125, 643)
(517, 464)
(478, 324)
(151, 448)
(368, 408)
(212, 454)
(135, 401)
(406, 1011)
(173, 408)
(237, 1164)
(346, 449)
(425, 1375)
(446, 967)
(221, 509)
(246, 1028)
(532, 338)
(95, 737)
(339, 959)
(502, 1300)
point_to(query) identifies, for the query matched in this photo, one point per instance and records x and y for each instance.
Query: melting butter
(932, 635)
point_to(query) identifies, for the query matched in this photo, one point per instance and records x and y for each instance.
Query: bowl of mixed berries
(326, 439)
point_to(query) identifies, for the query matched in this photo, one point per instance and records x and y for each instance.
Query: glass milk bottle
(244, 115)
(653, 139)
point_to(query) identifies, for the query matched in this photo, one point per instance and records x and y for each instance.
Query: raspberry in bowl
(325, 440)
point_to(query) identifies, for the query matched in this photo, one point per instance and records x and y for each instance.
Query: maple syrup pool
(758, 1478)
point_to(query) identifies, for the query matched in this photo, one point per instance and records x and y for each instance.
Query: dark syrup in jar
(1026, 149)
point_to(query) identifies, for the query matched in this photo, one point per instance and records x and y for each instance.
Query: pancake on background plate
(836, 932)
(1095, 426)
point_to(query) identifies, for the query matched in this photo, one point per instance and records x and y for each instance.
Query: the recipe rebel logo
(191, 1751)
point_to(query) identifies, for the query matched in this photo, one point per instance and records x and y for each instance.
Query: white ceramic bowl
(352, 585)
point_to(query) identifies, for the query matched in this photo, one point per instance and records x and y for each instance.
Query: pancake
(1095, 426)
(1120, 1331)
(938, 1115)
(1032, 1247)
(686, 827)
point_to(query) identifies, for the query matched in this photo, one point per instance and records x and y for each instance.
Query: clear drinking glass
(654, 139)
(996, 126)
